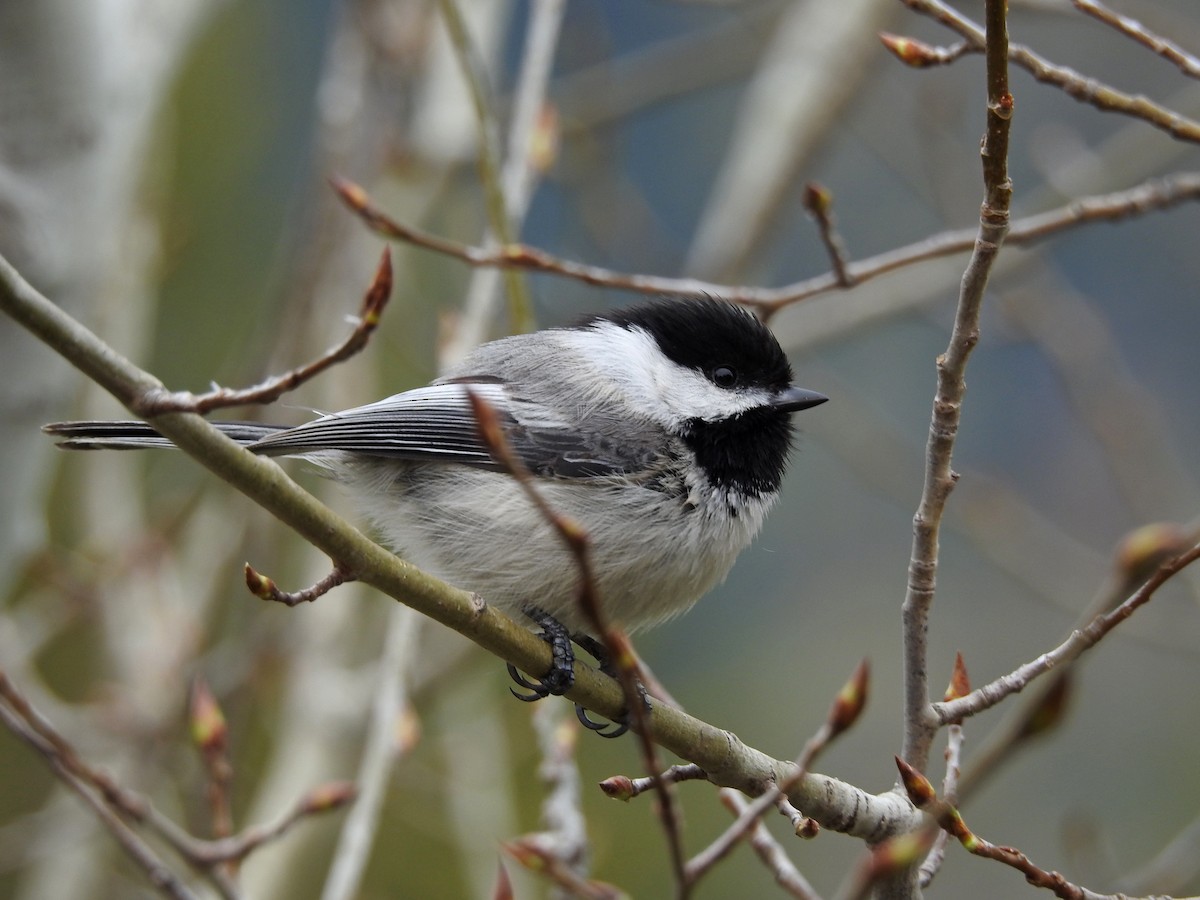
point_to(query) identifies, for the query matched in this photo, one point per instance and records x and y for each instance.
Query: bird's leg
(562, 665)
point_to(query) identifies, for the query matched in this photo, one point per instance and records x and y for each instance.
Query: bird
(664, 429)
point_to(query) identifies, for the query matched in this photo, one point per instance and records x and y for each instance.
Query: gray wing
(436, 424)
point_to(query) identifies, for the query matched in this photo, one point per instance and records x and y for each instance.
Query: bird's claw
(601, 728)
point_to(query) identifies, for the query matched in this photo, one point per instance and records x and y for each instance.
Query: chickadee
(663, 428)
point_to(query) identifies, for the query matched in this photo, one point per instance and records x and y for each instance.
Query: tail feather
(97, 435)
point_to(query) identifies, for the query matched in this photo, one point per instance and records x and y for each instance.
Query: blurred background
(165, 179)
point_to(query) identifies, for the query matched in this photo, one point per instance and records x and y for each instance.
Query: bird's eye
(724, 377)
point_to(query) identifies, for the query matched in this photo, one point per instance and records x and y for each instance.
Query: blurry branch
(565, 834)
(520, 304)
(531, 852)
(119, 809)
(1175, 866)
(1074, 85)
(1131, 28)
(617, 646)
(728, 761)
(390, 732)
(1152, 195)
(531, 134)
(30, 727)
(920, 726)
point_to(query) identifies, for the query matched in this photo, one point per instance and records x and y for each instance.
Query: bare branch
(1188, 64)
(265, 588)
(951, 388)
(1152, 195)
(1074, 646)
(846, 708)
(276, 386)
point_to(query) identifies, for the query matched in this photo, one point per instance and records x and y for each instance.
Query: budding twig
(264, 588)
(276, 386)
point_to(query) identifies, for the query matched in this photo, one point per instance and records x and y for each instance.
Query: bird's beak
(793, 399)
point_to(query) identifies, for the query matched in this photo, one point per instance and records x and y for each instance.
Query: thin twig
(950, 820)
(787, 876)
(844, 712)
(114, 803)
(1070, 649)
(276, 386)
(265, 588)
(1131, 28)
(565, 825)
(960, 686)
(1153, 194)
(921, 55)
(951, 387)
(818, 200)
(143, 856)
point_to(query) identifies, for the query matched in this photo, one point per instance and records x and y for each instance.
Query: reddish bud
(917, 786)
(618, 787)
(818, 199)
(379, 292)
(851, 700)
(807, 828)
(543, 148)
(408, 730)
(910, 51)
(260, 585)
(960, 683)
(352, 195)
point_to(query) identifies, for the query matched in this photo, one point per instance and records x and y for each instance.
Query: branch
(727, 760)
(1069, 650)
(920, 725)
(273, 388)
(1151, 195)
(1188, 64)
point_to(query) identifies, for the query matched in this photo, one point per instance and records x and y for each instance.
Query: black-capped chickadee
(663, 428)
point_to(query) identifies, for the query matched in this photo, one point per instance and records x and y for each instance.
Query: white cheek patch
(653, 384)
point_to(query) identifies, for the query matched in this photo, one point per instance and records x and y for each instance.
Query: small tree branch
(920, 724)
(1078, 643)
(1188, 64)
(1152, 195)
